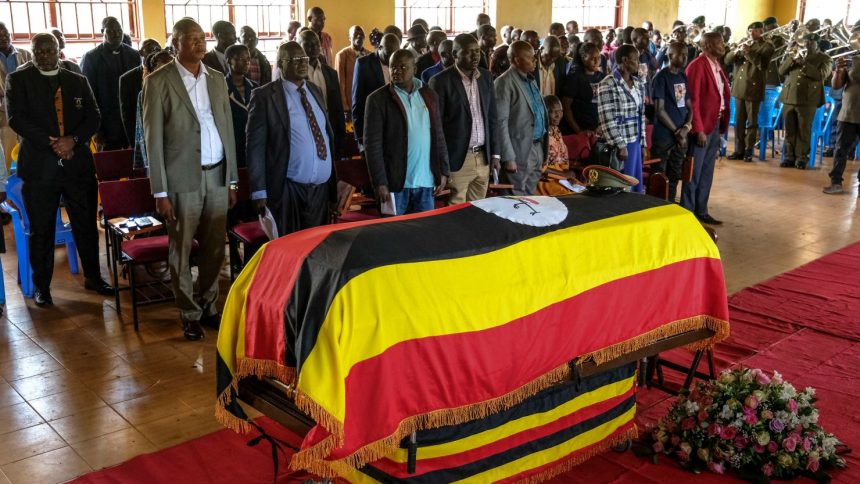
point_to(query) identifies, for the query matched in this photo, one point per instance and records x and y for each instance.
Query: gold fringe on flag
(313, 459)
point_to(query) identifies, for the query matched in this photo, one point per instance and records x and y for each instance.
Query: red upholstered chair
(132, 198)
(578, 151)
(114, 165)
(352, 172)
(249, 234)
(658, 186)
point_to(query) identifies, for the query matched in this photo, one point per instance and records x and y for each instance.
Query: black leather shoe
(800, 166)
(42, 298)
(748, 157)
(100, 287)
(213, 321)
(786, 164)
(735, 156)
(707, 219)
(192, 330)
(828, 153)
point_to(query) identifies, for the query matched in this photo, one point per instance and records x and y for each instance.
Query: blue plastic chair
(21, 227)
(821, 126)
(768, 115)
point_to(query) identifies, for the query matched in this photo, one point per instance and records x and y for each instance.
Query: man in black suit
(289, 147)
(103, 66)
(54, 112)
(371, 73)
(467, 107)
(325, 78)
(487, 38)
(225, 33)
(130, 85)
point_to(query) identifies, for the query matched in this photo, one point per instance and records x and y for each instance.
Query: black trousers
(42, 199)
(302, 206)
(848, 135)
(671, 162)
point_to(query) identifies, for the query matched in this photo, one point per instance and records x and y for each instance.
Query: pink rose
(741, 442)
(715, 429)
(688, 423)
(703, 415)
(807, 444)
(766, 414)
(751, 402)
(767, 469)
(658, 447)
(675, 440)
(761, 378)
(728, 433)
(682, 455)
(812, 464)
(772, 447)
(717, 468)
(789, 444)
(750, 415)
(759, 449)
(792, 405)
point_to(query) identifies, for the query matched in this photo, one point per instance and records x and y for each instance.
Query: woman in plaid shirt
(621, 111)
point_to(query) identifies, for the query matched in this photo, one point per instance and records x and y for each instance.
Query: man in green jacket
(748, 88)
(802, 95)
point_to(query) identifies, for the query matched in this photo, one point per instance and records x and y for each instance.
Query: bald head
(316, 19)
(387, 46)
(310, 43)
(522, 56)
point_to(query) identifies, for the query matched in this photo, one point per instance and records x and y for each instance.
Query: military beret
(699, 20)
(416, 32)
(719, 29)
(755, 25)
(679, 27)
(812, 36)
(604, 177)
(769, 21)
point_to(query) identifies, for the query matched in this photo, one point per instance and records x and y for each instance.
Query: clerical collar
(49, 73)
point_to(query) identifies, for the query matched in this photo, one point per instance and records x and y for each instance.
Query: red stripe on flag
(276, 274)
(420, 376)
(425, 466)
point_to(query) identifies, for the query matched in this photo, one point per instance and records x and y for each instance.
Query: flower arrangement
(746, 420)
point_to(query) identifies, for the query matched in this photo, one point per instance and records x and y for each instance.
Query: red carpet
(804, 324)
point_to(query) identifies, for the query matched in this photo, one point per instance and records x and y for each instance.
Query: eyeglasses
(298, 60)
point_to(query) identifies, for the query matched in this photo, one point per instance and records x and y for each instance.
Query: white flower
(727, 412)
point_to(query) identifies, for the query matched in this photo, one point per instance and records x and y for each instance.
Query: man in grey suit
(188, 129)
(290, 146)
(522, 121)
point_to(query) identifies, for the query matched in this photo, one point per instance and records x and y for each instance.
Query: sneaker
(834, 189)
(786, 164)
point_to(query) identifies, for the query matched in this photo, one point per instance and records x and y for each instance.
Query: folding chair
(21, 229)
(133, 198)
(249, 233)
(114, 165)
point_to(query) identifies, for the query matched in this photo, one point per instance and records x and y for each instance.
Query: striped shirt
(474, 97)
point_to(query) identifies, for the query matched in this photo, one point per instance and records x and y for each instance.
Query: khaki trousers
(798, 131)
(470, 182)
(203, 213)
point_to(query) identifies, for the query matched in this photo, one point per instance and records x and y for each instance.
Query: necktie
(58, 105)
(315, 128)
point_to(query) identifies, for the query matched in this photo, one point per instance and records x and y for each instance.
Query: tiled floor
(80, 390)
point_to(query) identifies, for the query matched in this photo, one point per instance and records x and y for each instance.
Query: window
(835, 10)
(269, 18)
(716, 12)
(599, 14)
(453, 16)
(79, 20)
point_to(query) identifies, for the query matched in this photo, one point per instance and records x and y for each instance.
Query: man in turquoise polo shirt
(404, 142)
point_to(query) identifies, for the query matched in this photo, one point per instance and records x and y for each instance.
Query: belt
(212, 166)
(476, 149)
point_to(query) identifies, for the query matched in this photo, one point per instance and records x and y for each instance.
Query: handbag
(606, 154)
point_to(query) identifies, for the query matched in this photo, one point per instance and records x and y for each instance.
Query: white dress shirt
(211, 147)
(315, 75)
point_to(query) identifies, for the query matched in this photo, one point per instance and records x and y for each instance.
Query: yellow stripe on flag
(442, 297)
(532, 461)
(231, 337)
(513, 427)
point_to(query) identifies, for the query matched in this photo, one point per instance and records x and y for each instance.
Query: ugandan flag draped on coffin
(417, 322)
